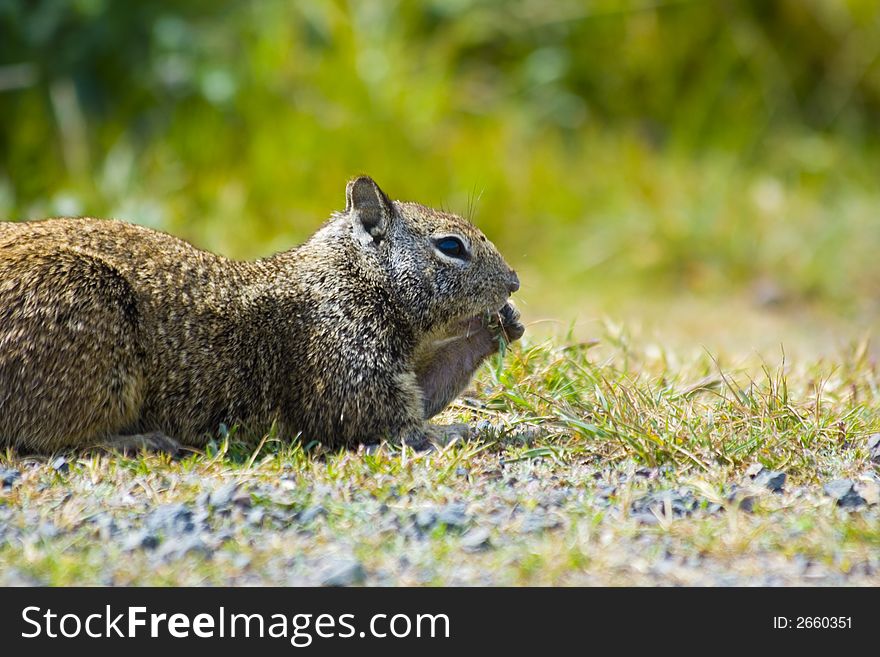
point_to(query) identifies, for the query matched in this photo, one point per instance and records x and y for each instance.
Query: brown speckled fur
(361, 333)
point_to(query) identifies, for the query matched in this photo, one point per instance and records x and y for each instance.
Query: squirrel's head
(439, 265)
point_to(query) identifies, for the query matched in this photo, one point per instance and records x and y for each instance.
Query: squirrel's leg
(448, 367)
(154, 441)
(424, 435)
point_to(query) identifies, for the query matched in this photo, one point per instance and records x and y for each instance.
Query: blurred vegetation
(632, 147)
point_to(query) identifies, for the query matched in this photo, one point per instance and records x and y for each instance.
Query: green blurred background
(629, 158)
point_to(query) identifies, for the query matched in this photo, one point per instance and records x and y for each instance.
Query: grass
(571, 440)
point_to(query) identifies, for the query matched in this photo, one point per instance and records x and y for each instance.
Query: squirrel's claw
(513, 328)
(505, 324)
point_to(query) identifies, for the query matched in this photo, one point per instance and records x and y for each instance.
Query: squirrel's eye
(451, 246)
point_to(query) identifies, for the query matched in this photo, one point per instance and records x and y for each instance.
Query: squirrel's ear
(369, 208)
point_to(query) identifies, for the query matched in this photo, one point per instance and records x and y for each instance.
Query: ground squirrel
(112, 333)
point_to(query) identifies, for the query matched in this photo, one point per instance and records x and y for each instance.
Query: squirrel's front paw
(505, 324)
(513, 328)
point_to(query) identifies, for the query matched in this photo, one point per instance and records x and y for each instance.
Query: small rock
(554, 498)
(106, 525)
(476, 539)
(14, 577)
(200, 517)
(606, 491)
(874, 447)
(149, 542)
(255, 517)
(178, 547)
(242, 499)
(60, 465)
(740, 496)
(342, 571)
(838, 488)
(484, 427)
(222, 497)
(868, 490)
(311, 514)
(680, 503)
(771, 480)
(8, 477)
(222, 536)
(538, 521)
(171, 519)
(768, 293)
(425, 518)
(843, 491)
(142, 540)
(453, 515)
(754, 470)
(241, 561)
(48, 530)
(645, 518)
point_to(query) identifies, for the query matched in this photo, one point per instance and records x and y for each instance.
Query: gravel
(595, 521)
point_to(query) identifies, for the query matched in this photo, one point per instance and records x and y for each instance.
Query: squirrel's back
(143, 255)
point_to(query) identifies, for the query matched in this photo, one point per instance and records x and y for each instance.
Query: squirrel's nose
(513, 282)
